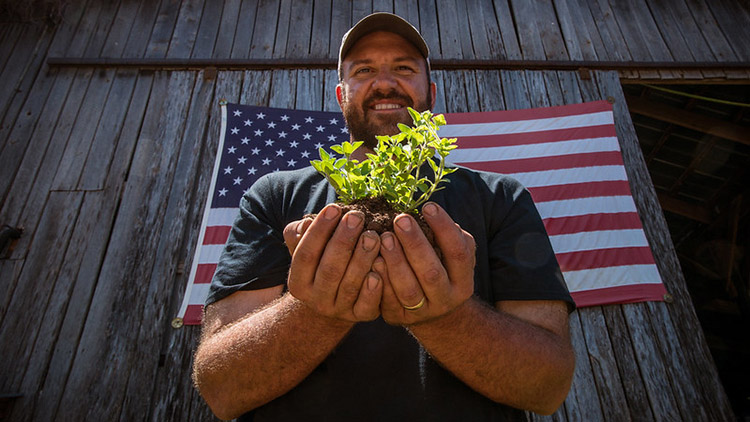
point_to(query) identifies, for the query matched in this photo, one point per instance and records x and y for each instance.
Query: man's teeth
(386, 106)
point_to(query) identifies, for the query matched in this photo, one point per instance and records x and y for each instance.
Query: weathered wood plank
(143, 25)
(732, 17)
(244, 31)
(122, 23)
(24, 166)
(451, 42)
(256, 87)
(708, 27)
(10, 271)
(321, 36)
(360, 9)
(283, 89)
(465, 35)
(428, 26)
(382, 6)
(575, 28)
(282, 29)
(166, 19)
(263, 38)
(82, 136)
(24, 58)
(537, 89)
(515, 91)
(299, 30)
(676, 37)
(529, 37)
(341, 21)
(310, 86)
(186, 29)
(441, 96)
(606, 25)
(331, 79)
(85, 280)
(9, 36)
(227, 28)
(409, 10)
(490, 90)
(582, 402)
(455, 93)
(208, 30)
(508, 30)
(102, 29)
(24, 316)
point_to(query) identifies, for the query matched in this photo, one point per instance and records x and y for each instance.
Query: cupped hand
(331, 265)
(419, 286)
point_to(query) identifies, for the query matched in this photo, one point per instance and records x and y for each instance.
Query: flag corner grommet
(177, 323)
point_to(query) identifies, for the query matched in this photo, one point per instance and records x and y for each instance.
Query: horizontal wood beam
(678, 206)
(689, 119)
(437, 64)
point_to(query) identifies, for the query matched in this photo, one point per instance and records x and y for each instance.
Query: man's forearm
(502, 357)
(263, 355)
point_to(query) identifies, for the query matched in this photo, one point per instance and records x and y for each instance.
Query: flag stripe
(593, 222)
(621, 294)
(216, 235)
(536, 125)
(549, 149)
(604, 239)
(556, 162)
(580, 190)
(597, 278)
(528, 114)
(205, 273)
(585, 206)
(538, 137)
(601, 258)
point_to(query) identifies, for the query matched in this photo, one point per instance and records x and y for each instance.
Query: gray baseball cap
(382, 21)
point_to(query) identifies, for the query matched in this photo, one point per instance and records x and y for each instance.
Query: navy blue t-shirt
(379, 372)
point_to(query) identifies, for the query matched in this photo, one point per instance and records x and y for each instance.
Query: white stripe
(547, 149)
(534, 179)
(599, 278)
(210, 254)
(199, 293)
(521, 126)
(222, 216)
(583, 206)
(604, 239)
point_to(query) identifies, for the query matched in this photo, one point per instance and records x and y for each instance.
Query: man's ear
(339, 94)
(433, 92)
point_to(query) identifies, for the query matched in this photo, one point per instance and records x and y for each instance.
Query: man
(318, 319)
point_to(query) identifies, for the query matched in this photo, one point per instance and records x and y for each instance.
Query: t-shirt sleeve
(254, 256)
(523, 264)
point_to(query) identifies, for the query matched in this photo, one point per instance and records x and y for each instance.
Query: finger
(401, 277)
(358, 268)
(309, 250)
(367, 307)
(293, 233)
(421, 256)
(457, 245)
(390, 307)
(335, 258)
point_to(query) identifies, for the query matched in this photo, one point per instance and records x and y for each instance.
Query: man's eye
(362, 70)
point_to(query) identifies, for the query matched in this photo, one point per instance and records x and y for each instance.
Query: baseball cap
(382, 21)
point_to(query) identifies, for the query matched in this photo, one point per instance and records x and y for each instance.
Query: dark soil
(379, 215)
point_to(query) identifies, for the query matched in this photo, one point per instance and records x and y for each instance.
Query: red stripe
(600, 258)
(621, 294)
(204, 273)
(580, 190)
(216, 235)
(592, 222)
(527, 114)
(193, 315)
(524, 165)
(538, 137)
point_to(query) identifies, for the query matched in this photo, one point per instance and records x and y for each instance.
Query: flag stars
(241, 160)
(237, 180)
(282, 134)
(284, 118)
(245, 140)
(232, 150)
(251, 171)
(266, 161)
(333, 121)
(260, 116)
(258, 132)
(332, 138)
(255, 151)
(319, 145)
(305, 154)
(228, 170)
(344, 130)
(237, 113)
(235, 131)
(280, 152)
(269, 142)
(309, 119)
(248, 122)
(295, 126)
(306, 136)
(223, 192)
(271, 125)
(320, 128)
(291, 163)
(293, 144)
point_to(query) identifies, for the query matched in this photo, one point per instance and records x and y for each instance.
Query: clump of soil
(379, 215)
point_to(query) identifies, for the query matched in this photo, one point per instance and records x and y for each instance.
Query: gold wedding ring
(415, 307)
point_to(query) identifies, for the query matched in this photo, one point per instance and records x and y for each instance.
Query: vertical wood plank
(10, 271)
(331, 79)
(515, 91)
(508, 31)
(429, 28)
(208, 30)
(310, 86)
(529, 37)
(227, 28)
(256, 89)
(263, 38)
(283, 89)
(491, 98)
(140, 32)
(341, 21)
(675, 39)
(322, 35)
(708, 27)
(582, 402)
(442, 94)
(244, 32)
(164, 26)
(283, 26)
(409, 10)
(451, 44)
(300, 27)
(186, 29)
(581, 37)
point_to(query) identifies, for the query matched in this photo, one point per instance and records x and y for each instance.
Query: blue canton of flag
(260, 140)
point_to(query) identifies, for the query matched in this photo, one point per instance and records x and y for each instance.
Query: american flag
(567, 156)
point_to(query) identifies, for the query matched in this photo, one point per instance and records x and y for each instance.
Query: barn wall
(107, 171)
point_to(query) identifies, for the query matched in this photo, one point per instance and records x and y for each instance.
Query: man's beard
(363, 129)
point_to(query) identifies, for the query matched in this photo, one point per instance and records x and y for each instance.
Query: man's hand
(331, 265)
(414, 277)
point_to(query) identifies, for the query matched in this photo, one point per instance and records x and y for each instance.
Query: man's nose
(384, 79)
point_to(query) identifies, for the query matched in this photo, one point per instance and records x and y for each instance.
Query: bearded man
(319, 319)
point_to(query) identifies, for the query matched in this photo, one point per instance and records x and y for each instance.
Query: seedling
(393, 170)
